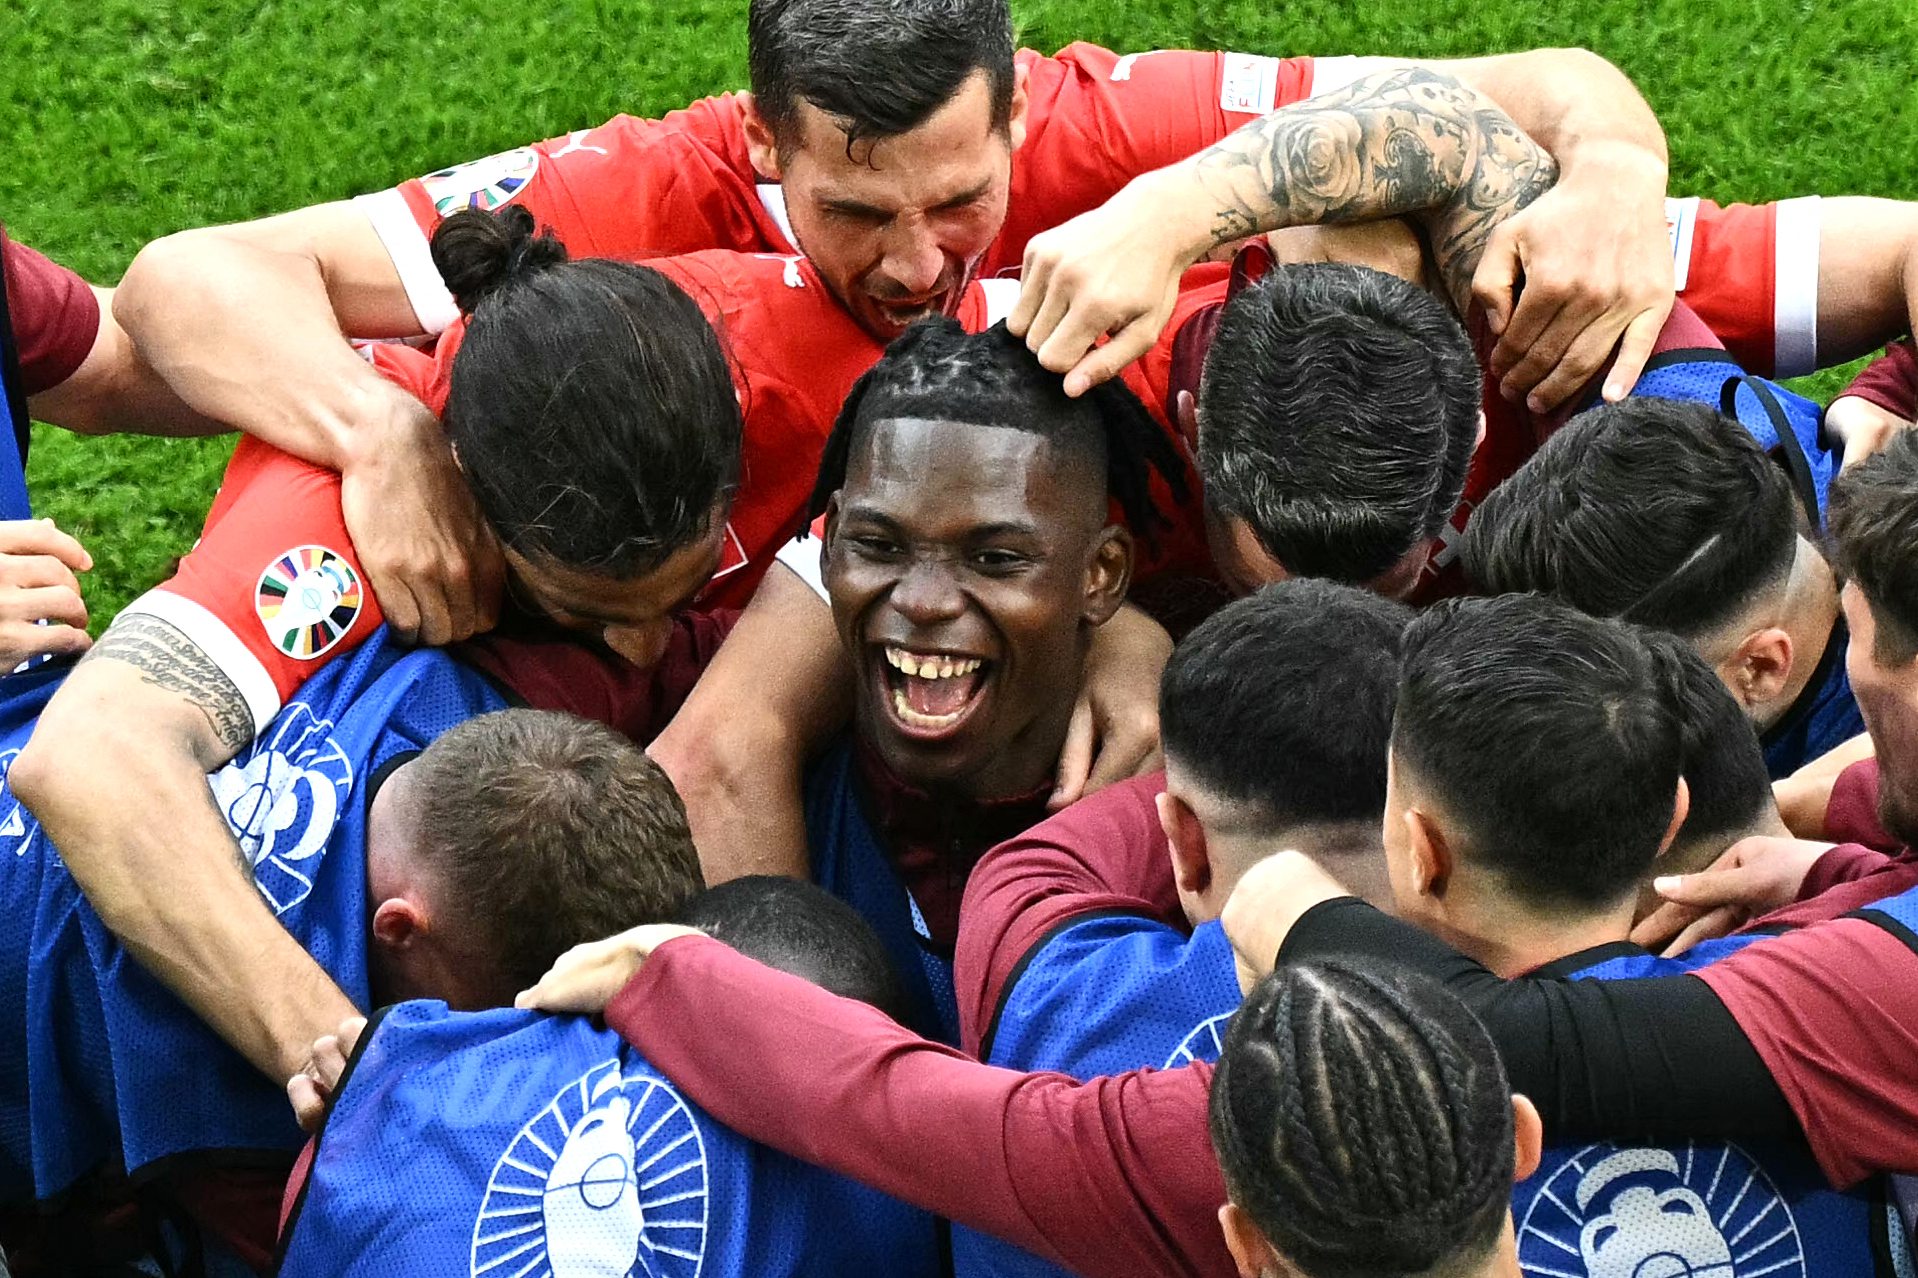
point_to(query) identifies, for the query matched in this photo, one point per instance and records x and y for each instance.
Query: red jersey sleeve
(627, 189)
(1096, 120)
(1891, 380)
(1111, 1177)
(274, 589)
(1750, 271)
(55, 316)
(1833, 1011)
(1104, 853)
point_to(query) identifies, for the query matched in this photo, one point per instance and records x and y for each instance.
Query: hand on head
(585, 978)
(1753, 877)
(1115, 723)
(1273, 895)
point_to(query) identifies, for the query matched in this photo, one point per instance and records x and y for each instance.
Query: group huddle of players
(981, 663)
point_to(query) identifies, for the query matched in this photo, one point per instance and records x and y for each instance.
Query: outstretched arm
(116, 774)
(1405, 142)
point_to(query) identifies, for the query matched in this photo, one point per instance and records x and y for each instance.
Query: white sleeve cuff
(1795, 288)
(1330, 74)
(412, 256)
(806, 556)
(221, 646)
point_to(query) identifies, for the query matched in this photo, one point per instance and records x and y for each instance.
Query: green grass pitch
(122, 120)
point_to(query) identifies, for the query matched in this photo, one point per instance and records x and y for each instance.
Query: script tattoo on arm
(167, 659)
(1408, 142)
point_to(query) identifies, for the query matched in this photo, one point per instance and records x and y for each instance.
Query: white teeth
(918, 720)
(929, 667)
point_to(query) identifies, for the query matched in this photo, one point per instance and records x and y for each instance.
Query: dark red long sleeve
(1102, 853)
(55, 316)
(1891, 380)
(1113, 1177)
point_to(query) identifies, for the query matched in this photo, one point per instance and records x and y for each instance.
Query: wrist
(1623, 168)
(380, 420)
(1175, 203)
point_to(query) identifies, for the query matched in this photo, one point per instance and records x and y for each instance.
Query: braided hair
(1363, 1121)
(590, 405)
(938, 371)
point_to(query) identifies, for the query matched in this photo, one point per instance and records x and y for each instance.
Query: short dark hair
(1661, 512)
(937, 370)
(803, 929)
(879, 68)
(1284, 699)
(1873, 518)
(1551, 738)
(548, 831)
(590, 406)
(1337, 416)
(1724, 764)
(1363, 1121)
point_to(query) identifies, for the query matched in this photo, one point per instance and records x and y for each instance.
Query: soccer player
(1364, 1126)
(1091, 944)
(1669, 514)
(399, 823)
(273, 597)
(969, 558)
(506, 1140)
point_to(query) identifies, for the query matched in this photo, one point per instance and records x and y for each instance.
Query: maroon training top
(55, 316)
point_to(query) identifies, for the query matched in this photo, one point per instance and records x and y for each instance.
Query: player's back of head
(1550, 741)
(1364, 1123)
(1873, 521)
(1283, 700)
(879, 68)
(802, 929)
(1661, 512)
(590, 406)
(937, 371)
(1337, 417)
(546, 831)
(1731, 792)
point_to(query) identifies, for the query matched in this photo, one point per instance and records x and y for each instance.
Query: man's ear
(1185, 414)
(1016, 121)
(398, 924)
(828, 529)
(1681, 808)
(1185, 837)
(761, 149)
(1431, 855)
(1528, 1137)
(1478, 439)
(1108, 575)
(1250, 1251)
(1760, 667)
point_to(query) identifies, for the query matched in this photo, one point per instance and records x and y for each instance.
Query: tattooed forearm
(1405, 142)
(168, 659)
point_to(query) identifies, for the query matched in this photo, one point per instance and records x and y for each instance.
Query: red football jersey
(1750, 271)
(635, 189)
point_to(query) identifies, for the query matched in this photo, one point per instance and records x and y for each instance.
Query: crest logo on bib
(1204, 1043)
(1691, 1211)
(613, 1169)
(282, 799)
(481, 184)
(308, 599)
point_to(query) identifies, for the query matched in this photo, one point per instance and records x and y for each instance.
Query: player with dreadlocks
(970, 550)
(1364, 1126)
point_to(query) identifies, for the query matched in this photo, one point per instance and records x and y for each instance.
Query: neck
(1807, 610)
(1348, 850)
(1511, 939)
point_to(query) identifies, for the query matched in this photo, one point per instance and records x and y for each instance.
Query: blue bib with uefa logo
(482, 1145)
(96, 1057)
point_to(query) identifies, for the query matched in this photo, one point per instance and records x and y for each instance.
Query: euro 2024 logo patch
(1691, 1211)
(481, 184)
(615, 1167)
(308, 598)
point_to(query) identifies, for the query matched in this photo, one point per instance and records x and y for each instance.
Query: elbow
(60, 757)
(158, 271)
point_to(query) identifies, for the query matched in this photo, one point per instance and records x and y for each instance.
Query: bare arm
(116, 774)
(115, 391)
(1867, 275)
(248, 324)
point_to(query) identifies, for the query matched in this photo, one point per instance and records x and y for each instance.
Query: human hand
(1753, 877)
(1862, 426)
(1272, 897)
(1112, 271)
(585, 978)
(1114, 732)
(1596, 260)
(311, 1090)
(37, 583)
(430, 557)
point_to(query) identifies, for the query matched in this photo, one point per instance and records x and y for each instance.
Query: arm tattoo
(167, 659)
(1404, 142)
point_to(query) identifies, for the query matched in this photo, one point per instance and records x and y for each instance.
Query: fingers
(1064, 345)
(1722, 921)
(1496, 279)
(349, 1033)
(1103, 363)
(1075, 759)
(1546, 323)
(43, 537)
(329, 1062)
(397, 607)
(1575, 368)
(309, 1104)
(1035, 277)
(1634, 351)
(1663, 924)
